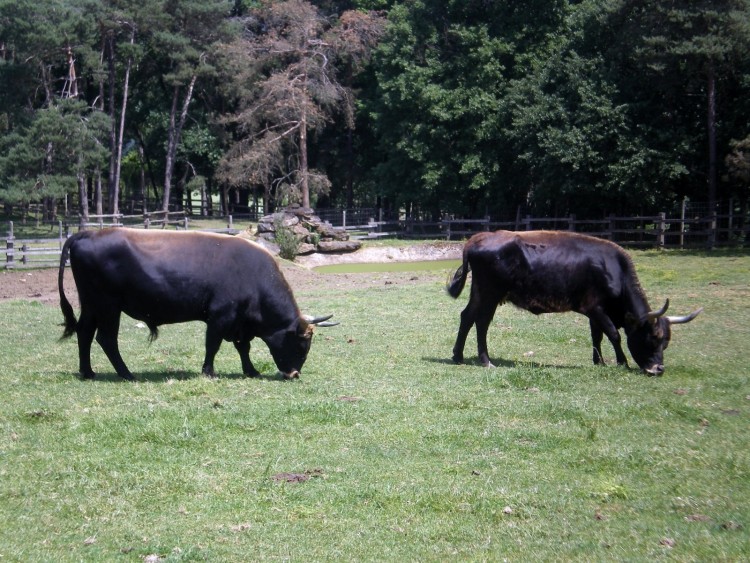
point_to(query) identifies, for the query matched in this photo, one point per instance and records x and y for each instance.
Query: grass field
(384, 450)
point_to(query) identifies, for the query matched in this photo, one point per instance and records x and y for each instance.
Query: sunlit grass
(399, 454)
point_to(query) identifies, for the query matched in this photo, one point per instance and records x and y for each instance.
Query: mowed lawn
(384, 450)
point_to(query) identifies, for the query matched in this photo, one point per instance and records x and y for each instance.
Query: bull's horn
(686, 318)
(656, 314)
(316, 320)
(326, 324)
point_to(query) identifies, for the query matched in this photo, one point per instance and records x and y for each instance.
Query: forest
(465, 108)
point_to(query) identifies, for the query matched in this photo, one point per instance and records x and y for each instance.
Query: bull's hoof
(128, 377)
(254, 373)
(292, 375)
(458, 359)
(87, 375)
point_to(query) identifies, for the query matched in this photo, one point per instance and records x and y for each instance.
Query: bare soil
(41, 284)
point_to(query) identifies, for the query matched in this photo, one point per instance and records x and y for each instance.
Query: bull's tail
(456, 285)
(67, 310)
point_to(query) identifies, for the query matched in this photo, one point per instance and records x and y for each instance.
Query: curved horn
(316, 320)
(656, 314)
(686, 318)
(327, 324)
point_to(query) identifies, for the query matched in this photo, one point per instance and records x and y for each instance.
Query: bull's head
(649, 336)
(289, 348)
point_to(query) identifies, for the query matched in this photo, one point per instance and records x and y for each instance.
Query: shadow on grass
(163, 377)
(472, 363)
(500, 363)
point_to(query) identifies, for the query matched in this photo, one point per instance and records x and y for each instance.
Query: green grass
(408, 456)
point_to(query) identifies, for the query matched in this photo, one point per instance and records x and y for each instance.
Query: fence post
(229, 224)
(343, 217)
(146, 223)
(712, 230)
(572, 222)
(9, 248)
(486, 222)
(682, 222)
(24, 250)
(612, 227)
(527, 223)
(186, 223)
(661, 227)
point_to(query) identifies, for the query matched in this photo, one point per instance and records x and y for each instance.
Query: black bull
(158, 277)
(554, 272)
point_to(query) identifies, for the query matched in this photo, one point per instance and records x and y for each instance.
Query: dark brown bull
(555, 272)
(160, 277)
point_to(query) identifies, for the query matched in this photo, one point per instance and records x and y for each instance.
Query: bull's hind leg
(243, 348)
(468, 316)
(596, 340)
(479, 310)
(85, 330)
(484, 318)
(106, 336)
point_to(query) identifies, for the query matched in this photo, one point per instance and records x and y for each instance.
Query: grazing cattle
(160, 277)
(555, 272)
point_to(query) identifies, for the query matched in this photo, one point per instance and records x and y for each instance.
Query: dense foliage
(460, 106)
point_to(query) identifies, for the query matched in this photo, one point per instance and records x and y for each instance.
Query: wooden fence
(656, 231)
(44, 252)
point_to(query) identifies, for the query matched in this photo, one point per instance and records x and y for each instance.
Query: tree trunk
(98, 194)
(111, 188)
(350, 168)
(711, 139)
(304, 184)
(175, 130)
(83, 198)
(118, 156)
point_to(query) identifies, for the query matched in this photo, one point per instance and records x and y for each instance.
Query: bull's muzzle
(656, 369)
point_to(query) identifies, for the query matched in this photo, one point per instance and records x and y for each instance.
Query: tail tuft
(456, 285)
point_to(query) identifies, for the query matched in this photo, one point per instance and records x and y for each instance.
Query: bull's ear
(305, 329)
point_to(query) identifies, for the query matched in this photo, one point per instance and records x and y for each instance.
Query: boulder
(306, 248)
(339, 246)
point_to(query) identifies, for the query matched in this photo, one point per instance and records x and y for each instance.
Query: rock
(308, 228)
(339, 246)
(306, 248)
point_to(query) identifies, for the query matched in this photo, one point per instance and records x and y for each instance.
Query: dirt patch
(41, 284)
(385, 254)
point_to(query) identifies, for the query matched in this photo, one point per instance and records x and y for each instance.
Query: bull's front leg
(243, 348)
(605, 325)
